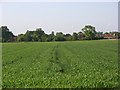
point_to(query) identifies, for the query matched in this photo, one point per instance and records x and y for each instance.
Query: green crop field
(74, 64)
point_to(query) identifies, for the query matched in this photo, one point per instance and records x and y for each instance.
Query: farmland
(72, 64)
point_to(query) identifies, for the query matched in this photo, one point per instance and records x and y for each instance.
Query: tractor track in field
(55, 60)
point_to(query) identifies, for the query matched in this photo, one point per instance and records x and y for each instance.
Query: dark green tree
(68, 37)
(35, 36)
(74, 36)
(44, 38)
(39, 33)
(20, 38)
(28, 36)
(59, 36)
(51, 37)
(81, 36)
(89, 32)
(7, 36)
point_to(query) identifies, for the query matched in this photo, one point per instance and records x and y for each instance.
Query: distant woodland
(38, 35)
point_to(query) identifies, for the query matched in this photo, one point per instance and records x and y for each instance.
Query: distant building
(108, 36)
(111, 35)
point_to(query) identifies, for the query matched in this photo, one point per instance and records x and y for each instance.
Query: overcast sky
(66, 17)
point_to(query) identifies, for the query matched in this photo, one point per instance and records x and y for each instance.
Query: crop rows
(80, 64)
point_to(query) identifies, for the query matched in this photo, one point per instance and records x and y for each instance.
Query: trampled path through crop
(55, 60)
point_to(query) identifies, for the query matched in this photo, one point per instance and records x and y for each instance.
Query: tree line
(86, 33)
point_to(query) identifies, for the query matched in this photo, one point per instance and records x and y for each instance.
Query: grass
(77, 64)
